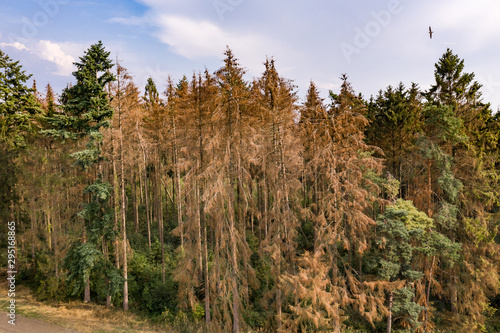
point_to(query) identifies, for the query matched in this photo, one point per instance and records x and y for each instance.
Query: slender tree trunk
(429, 189)
(454, 293)
(205, 263)
(48, 218)
(146, 194)
(278, 295)
(315, 210)
(122, 186)
(135, 202)
(162, 237)
(234, 281)
(217, 237)
(86, 291)
(199, 233)
(178, 199)
(159, 211)
(106, 279)
(260, 209)
(117, 211)
(148, 210)
(266, 201)
(56, 245)
(389, 317)
(124, 220)
(428, 294)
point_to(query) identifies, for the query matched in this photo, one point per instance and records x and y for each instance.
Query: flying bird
(430, 32)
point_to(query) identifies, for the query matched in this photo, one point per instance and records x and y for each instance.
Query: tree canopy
(227, 204)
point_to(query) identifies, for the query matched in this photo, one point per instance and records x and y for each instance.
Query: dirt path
(28, 325)
(77, 316)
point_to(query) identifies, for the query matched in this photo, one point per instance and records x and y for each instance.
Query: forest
(239, 206)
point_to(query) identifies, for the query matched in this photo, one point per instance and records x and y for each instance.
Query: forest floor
(59, 317)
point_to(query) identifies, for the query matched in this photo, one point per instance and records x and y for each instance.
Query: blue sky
(377, 43)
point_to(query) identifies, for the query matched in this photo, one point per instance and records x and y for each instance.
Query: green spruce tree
(86, 110)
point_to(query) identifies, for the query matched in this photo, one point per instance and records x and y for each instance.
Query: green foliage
(452, 86)
(19, 110)
(98, 213)
(404, 308)
(86, 109)
(18, 105)
(446, 217)
(399, 224)
(149, 294)
(86, 105)
(395, 116)
(79, 262)
(404, 235)
(442, 124)
(405, 212)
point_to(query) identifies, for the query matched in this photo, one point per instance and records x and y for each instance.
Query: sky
(377, 43)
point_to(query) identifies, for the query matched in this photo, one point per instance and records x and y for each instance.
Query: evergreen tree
(473, 157)
(232, 252)
(342, 222)
(395, 119)
(408, 249)
(18, 114)
(312, 115)
(18, 104)
(86, 110)
(191, 110)
(277, 156)
(126, 102)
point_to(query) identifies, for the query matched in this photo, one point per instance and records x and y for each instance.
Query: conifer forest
(236, 205)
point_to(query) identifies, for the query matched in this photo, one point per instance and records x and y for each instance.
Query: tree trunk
(148, 210)
(204, 230)
(454, 293)
(234, 263)
(428, 294)
(429, 189)
(106, 279)
(86, 294)
(135, 202)
(146, 194)
(389, 317)
(278, 295)
(56, 244)
(86, 291)
(123, 197)
(159, 211)
(178, 202)
(117, 211)
(124, 227)
(162, 237)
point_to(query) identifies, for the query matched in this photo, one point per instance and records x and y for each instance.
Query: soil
(28, 325)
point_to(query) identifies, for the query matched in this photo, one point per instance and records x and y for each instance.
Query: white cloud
(195, 39)
(53, 52)
(16, 45)
(198, 39)
(133, 20)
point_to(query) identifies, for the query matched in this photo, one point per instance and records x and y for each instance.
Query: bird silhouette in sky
(430, 32)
